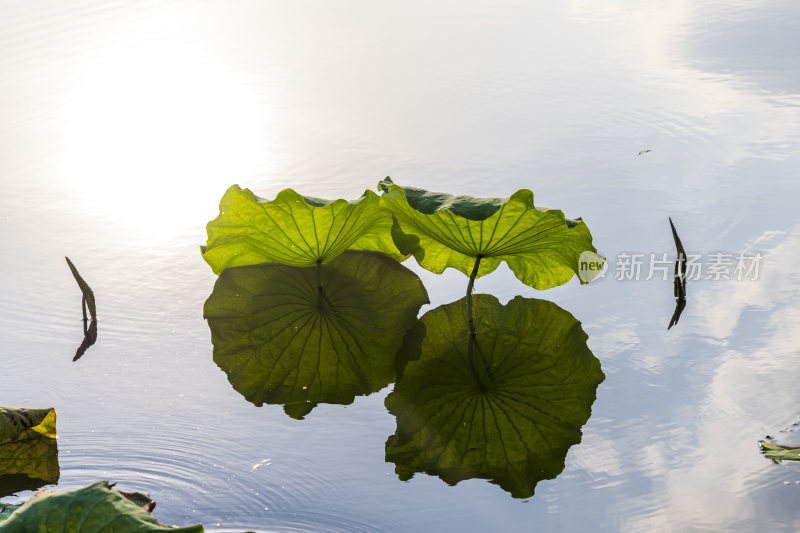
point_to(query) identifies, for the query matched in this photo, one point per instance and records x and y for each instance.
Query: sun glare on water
(154, 133)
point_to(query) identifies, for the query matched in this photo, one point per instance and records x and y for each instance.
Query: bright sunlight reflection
(151, 138)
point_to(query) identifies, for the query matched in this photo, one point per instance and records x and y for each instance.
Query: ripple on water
(194, 470)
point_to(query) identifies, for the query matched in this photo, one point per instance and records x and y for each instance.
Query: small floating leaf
(28, 449)
(675, 237)
(540, 245)
(285, 336)
(514, 417)
(96, 508)
(294, 230)
(88, 295)
(780, 453)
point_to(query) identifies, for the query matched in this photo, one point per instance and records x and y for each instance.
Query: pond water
(121, 125)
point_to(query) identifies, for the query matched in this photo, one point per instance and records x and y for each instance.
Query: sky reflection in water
(122, 125)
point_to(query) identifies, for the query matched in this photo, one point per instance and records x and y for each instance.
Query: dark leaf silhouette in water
(679, 281)
(87, 300)
(511, 416)
(28, 449)
(301, 336)
(97, 508)
(680, 305)
(89, 338)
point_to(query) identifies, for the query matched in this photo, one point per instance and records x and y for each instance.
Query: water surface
(121, 125)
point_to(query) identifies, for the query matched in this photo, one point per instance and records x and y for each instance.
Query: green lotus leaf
(779, 453)
(303, 336)
(509, 416)
(93, 509)
(28, 449)
(18, 423)
(295, 230)
(540, 245)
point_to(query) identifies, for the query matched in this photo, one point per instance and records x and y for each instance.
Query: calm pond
(122, 125)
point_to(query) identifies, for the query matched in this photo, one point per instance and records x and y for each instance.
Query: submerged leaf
(294, 230)
(540, 245)
(96, 508)
(282, 339)
(514, 417)
(28, 449)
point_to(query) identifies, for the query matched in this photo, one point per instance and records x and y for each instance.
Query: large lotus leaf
(294, 230)
(94, 509)
(512, 417)
(28, 449)
(302, 336)
(540, 245)
(780, 453)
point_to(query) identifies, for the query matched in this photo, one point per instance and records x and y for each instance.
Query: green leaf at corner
(540, 245)
(295, 230)
(514, 417)
(28, 449)
(96, 508)
(779, 453)
(17, 422)
(283, 340)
